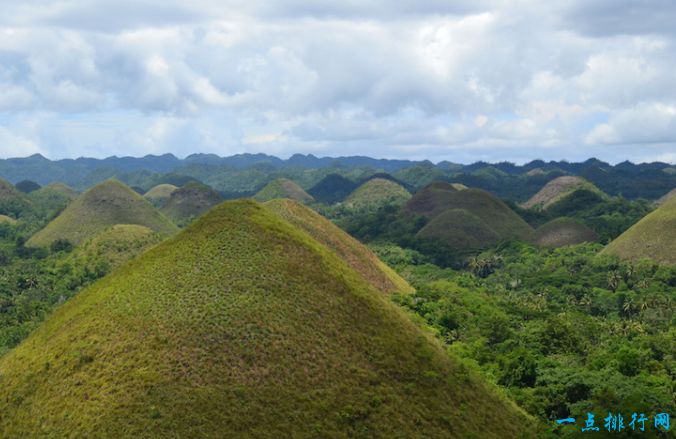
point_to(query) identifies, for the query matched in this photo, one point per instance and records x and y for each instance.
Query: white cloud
(435, 79)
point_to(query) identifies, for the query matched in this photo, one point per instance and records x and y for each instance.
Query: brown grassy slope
(459, 229)
(356, 254)
(283, 188)
(377, 192)
(557, 189)
(495, 214)
(105, 205)
(159, 194)
(189, 202)
(654, 237)
(563, 231)
(241, 326)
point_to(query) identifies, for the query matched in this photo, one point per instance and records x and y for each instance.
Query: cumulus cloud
(462, 80)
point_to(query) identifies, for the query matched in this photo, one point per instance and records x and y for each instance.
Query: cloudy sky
(456, 80)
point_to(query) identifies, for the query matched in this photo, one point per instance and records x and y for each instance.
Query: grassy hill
(113, 247)
(557, 189)
(13, 203)
(459, 229)
(283, 188)
(356, 254)
(4, 219)
(494, 215)
(332, 189)
(159, 194)
(52, 198)
(653, 237)
(241, 326)
(563, 231)
(190, 201)
(105, 205)
(377, 192)
(668, 196)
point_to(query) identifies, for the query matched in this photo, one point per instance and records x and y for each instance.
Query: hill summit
(242, 325)
(103, 206)
(377, 192)
(557, 189)
(653, 237)
(190, 201)
(283, 188)
(159, 194)
(356, 254)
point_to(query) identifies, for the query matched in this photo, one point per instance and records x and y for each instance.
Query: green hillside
(159, 194)
(495, 215)
(283, 188)
(563, 231)
(654, 237)
(357, 255)
(557, 189)
(190, 201)
(13, 203)
(377, 192)
(4, 219)
(114, 246)
(52, 198)
(105, 205)
(241, 326)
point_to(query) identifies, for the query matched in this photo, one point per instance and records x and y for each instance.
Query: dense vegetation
(565, 331)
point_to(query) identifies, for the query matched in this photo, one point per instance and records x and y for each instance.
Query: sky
(462, 80)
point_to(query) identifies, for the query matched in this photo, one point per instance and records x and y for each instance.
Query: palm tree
(614, 279)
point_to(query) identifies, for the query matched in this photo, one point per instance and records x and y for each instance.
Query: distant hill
(13, 202)
(465, 219)
(668, 196)
(332, 189)
(377, 192)
(159, 194)
(242, 325)
(105, 205)
(654, 237)
(459, 229)
(283, 188)
(190, 201)
(52, 198)
(357, 255)
(27, 186)
(558, 189)
(563, 231)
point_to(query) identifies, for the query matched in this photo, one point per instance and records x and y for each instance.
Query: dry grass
(557, 189)
(562, 232)
(283, 188)
(654, 237)
(241, 326)
(356, 254)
